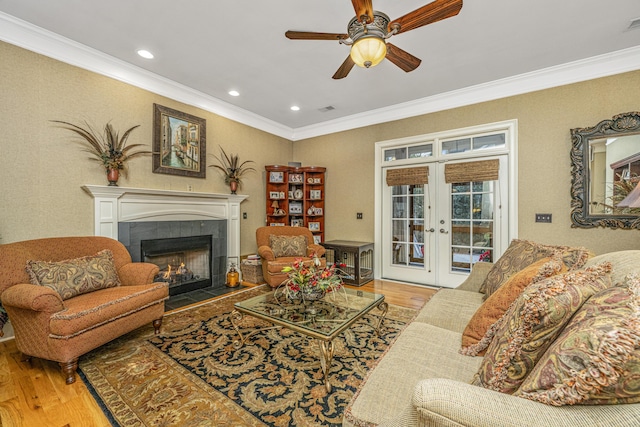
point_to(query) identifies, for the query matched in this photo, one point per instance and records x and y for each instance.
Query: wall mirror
(605, 168)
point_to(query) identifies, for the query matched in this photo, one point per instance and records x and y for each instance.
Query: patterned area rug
(191, 375)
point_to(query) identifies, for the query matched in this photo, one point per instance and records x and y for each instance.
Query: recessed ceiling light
(295, 108)
(234, 93)
(145, 54)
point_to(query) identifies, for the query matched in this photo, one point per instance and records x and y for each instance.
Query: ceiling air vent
(327, 108)
(634, 24)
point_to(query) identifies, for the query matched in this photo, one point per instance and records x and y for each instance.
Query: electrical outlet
(543, 217)
(244, 215)
(359, 215)
(189, 187)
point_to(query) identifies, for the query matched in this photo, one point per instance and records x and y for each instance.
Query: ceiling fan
(368, 31)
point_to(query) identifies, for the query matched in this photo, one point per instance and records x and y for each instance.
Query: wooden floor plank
(35, 393)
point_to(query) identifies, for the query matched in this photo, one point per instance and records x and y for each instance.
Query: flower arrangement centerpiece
(232, 168)
(108, 148)
(308, 281)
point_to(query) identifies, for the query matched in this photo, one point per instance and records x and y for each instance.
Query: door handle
(430, 230)
(442, 230)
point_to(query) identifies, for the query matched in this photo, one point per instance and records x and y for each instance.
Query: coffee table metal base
(326, 347)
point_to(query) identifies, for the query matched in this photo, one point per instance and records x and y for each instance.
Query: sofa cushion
(498, 303)
(450, 309)
(421, 351)
(532, 323)
(77, 276)
(596, 359)
(288, 246)
(522, 253)
(623, 263)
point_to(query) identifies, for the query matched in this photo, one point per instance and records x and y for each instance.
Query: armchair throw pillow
(532, 323)
(288, 246)
(74, 277)
(596, 358)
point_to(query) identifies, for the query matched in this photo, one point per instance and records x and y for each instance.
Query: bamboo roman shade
(484, 170)
(408, 176)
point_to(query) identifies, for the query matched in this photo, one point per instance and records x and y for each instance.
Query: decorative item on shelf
(232, 169)
(308, 281)
(276, 207)
(107, 148)
(233, 276)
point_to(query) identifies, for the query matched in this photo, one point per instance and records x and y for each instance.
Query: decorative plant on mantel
(108, 148)
(232, 169)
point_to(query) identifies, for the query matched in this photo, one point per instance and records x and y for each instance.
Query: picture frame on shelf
(274, 195)
(296, 178)
(314, 226)
(317, 180)
(297, 222)
(276, 224)
(276, 177)
(295, 208)
(315, 194)
(179, 143)
(317, 239)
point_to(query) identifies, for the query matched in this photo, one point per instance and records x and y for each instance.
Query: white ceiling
(500, 47)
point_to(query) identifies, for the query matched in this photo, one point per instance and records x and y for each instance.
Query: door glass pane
(456, 146)
(472, 207)
(395, 154)
(489, 141)
(425, 150)
(408, 225)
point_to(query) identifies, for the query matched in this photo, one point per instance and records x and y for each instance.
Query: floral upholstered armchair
(280, 247)
(66, 296)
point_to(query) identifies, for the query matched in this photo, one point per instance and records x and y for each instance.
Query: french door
(435, 229)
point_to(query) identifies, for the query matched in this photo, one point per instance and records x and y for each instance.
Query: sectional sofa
(424, 379)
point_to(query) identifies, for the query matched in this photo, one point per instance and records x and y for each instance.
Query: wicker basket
(251, 273)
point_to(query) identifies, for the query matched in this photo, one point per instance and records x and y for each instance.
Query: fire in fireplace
(184, 262)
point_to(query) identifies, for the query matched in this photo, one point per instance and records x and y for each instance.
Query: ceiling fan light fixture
(368, 51)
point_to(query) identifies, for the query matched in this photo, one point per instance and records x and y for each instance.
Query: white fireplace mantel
(113, 204)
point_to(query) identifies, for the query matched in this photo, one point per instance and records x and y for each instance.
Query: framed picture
(295, 208)
(276, 177)
(179, 143)
(295, 177)
(314, 226)
(317, 239)
(297, 222)
(315, 194)
(276, 224)
(274, 195)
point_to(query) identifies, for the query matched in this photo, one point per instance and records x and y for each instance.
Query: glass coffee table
(321, 320)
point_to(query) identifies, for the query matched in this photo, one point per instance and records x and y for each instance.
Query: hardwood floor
(34, 394)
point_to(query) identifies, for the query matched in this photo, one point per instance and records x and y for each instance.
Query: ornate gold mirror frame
(584, 141)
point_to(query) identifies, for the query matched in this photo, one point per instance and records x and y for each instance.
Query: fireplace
(185, 263)
(131, 215)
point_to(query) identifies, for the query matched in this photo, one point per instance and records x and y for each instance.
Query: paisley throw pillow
(288, 246)
(532, 323)
(596, 358)
(73, 277)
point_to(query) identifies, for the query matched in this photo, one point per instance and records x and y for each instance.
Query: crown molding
(44, 42)
(609, 64)
(47, 43)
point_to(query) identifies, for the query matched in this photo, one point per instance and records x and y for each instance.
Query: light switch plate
(543, 217)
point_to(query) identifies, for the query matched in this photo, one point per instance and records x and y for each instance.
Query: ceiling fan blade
(308, 35)
(344, 69)
(427, 14)
(401, 58)
(363, 8)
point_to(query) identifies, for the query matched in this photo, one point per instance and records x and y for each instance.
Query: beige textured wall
(544, 142)
(42, 171)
